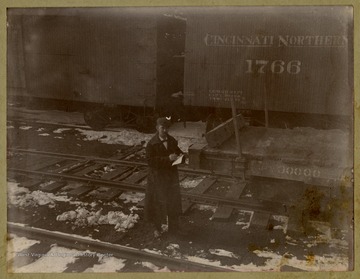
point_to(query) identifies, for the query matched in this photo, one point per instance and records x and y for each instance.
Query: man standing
(162, 197)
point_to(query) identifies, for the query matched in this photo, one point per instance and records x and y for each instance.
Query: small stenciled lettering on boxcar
(281, 170)
(220, 96)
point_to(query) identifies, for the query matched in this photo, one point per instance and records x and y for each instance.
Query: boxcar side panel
(104, 56)
(295, 57)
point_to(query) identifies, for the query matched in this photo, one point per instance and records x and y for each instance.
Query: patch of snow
(284, 222)
(60, 130)
(25, 128)
(46, 262)
(108, 264)
(125, 136)
(200, 260)
(132, 197)
(223, 253)
(206, 207)
(10, 127)
(311, 263)
(58, 138)
(22, 197)
(17, 244)
(155, 268)
(44, 134)
(83, 217)
(157, 252)
(40, 129)
(245, 218)
(132, 138)
(189, 182)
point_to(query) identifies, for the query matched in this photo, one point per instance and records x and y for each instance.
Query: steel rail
(257, 205)
(113, 161)
(83, 243)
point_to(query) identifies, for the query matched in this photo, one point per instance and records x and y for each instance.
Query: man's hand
(173, 157)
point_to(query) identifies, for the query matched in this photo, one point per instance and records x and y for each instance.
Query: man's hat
(163, 122)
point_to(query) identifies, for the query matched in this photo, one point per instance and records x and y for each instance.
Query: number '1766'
(276, 66)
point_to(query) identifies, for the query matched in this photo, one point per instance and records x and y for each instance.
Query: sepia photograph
(180, 139)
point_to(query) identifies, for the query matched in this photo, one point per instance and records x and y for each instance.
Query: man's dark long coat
(163, 189)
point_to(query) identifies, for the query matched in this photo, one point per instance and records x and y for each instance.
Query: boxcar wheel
(96, 119)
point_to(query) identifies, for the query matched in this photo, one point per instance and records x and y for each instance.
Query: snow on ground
(108, 264)
(132, 197)
(157, 252)
(83, 217)
(154, 267)
(206, 207)
(17, 244)
(311, 263)
(224, 253)
(10, 127)
(125, 136)
(201, 260)
(22, 197)
(244, 220)
(189, 182)
(55, 260)
(44, 134)
(60, 130)
(132, 137)
(283, 222)
(25, 127)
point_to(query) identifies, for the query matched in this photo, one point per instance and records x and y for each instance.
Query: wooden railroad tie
(260, 219)
(80, 191)
(87, 170)
(115, 173)
(109, 194)
(199, 189)
(136, 177)
(31, 184)
(53, 187)
(223, 212)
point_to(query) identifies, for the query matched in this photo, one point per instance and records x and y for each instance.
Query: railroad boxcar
(125, 58)
(278, 60)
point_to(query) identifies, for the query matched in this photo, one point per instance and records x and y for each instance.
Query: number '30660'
(276, 66)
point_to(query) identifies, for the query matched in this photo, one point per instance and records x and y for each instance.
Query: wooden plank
(136, 177)
(43, 163)
(199, 189)
(87, 170)
(31, 184)
(203, 186)
(224, 212)
(109, 195)
(224, 131)
(115, 173)
(53, 187)
(80, 191)
(260, 219)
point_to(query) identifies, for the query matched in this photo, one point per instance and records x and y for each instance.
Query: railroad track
(94, 248)
(121, 175)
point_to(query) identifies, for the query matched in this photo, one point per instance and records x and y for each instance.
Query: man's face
(162, 130)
